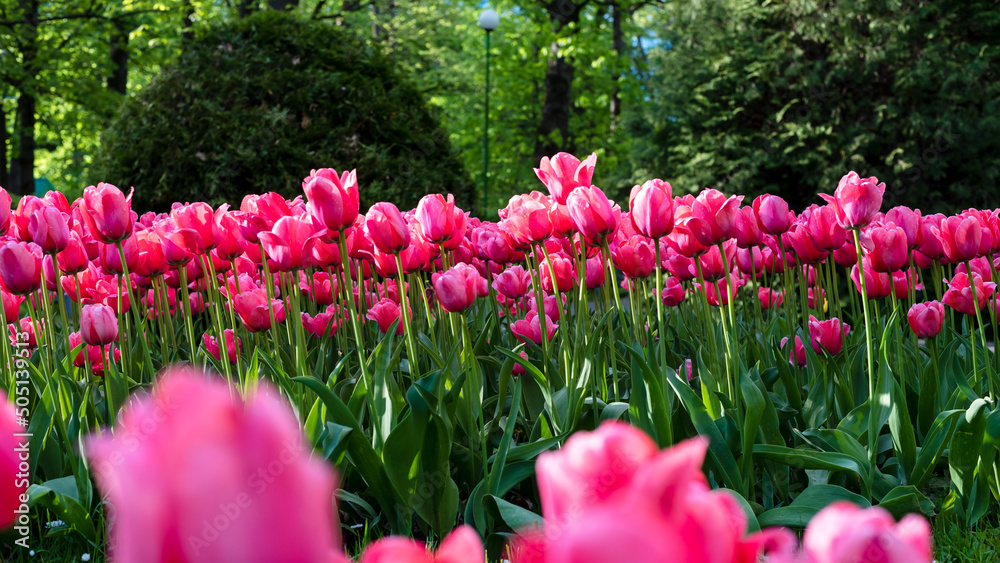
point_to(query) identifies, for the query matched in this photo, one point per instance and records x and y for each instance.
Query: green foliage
(786, 97)
(251, 104)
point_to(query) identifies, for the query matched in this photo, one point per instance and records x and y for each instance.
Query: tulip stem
(46, 306)
(139, 322)
(62, 307)
(188, 323)
(411, 351)
(982, 331)
(358, 342)
(872, 425)
(612, 285)
(662, 341)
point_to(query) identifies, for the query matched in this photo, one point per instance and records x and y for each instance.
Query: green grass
(978, 545)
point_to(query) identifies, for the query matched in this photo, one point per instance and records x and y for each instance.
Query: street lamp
(488, 20)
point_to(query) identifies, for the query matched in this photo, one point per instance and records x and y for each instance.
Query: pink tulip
(512, 283)
(252, 308)
(746, 229)
(903, 281)
(847, 255)
(959, 293)
(713, 216)
(233, 346)
(856, 200)
(526, 219)
(750, 261)
(200, 218)
(877, 284)
(635, 257)
(98, 325)
(769, 298)
(713, 267)
(911, 223)
(926, 319)
(563, 173)
(111, 260)
(439, 219)
(5, 201)
(458, 287)
(888, 252)
(673, 292)
(21, 216)
(845, 533)
(384, 313)
(798, 356)
(491, 245)
(772, 214)
(286, 242)
(22, 331)
(49, 229)
(232, 243)
(20, 268)
(609, 495)
(11, 304)
(800, 241)
(717, 292)
(826, 232)
(320, 326)
(593, 214)
(387, 228)
(220, 480)
(960, 237)
(595, 273)
(12, 487)
(72, 259)
(816, 298)
(461, 546)
(687, 368)
(333, 198)
(828, 336)
(931, 245)
(651, 208)
(107, 213)
(528, 329)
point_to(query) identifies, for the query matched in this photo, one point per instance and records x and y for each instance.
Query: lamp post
(488, 20)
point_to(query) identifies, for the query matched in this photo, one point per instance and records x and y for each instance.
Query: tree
(253, 105)
(788, 97)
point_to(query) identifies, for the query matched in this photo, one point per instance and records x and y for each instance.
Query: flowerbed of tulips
(470, 382)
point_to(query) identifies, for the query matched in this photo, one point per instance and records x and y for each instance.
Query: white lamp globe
(489, 20)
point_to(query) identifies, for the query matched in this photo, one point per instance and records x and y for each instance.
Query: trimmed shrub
(254, 105)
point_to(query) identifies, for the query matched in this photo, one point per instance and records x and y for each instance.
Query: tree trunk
(118, 81)
(553, 128)
(187, 23)
(618, 44)
(22, 169)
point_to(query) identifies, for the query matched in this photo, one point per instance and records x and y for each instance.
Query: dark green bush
(253, 106)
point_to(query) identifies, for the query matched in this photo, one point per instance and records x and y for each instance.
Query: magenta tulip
(911, 223)
(856, 200)
(98, 324)
(439, 219)
(828, 336)
(12, 487)
(825, 230)
(959, 293)
(673, 292)
(387, 228)
(384, 313)
(877, 284)
(846, 533)
(5, 201)
(223, 480)
(458, 287)
(462, 545)
(772, 214)
(563, 173)
(107, 213)
(233, 346)
(20, 268)
(889, 252)
(651, 208)
(512, 283)
(526, 219)
(252, 308)
(769, 298)
(926, 319)
(798, 355)
(333, 198)
(49, 229)
(960, 237)
(286, 242)
(592, 213)
(528, 329)
(200, 218)
(713, 216)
